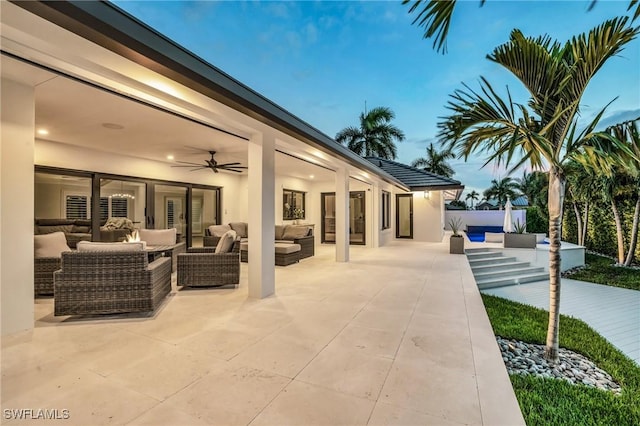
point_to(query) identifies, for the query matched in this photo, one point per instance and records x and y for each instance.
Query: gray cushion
(280, 231)
(493, 237)
(84, 246)
(158, 237)
(291, 232)
(287, 248)
(226, 242)
(241, 228)
(219, 230)
(49, 229)
(50, 245)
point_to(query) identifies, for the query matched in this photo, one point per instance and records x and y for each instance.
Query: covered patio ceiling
(76, 113)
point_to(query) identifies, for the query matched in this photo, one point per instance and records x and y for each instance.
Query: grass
(601, 270)
(555, 402)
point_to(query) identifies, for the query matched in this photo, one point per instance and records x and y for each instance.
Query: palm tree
(435, 16)
(473, 195)
(375, 135)
(435, 162)
(543, 131)
(502, 189)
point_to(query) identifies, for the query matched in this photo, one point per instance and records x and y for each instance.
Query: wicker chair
(43, 268)
(110, 282)
(203, 267)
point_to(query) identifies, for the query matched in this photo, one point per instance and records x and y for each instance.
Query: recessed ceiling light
(311, 176)
(170, 157)
(43, 132)
(113, 126)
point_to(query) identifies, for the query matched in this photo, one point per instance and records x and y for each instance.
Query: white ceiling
(78, 114)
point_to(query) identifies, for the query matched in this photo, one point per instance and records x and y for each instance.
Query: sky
(325, 61)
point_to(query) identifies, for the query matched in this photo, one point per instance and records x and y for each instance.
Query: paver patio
(398, 335)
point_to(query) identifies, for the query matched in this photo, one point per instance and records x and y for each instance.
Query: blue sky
(321, 60)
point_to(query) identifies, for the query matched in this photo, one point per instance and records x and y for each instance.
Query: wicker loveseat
(108, 282)
(293, 234)
(203, 267)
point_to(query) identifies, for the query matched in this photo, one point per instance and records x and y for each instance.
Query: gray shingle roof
(415, 179)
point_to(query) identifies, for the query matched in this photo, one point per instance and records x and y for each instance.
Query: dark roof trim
(416, 179)
(114, 29)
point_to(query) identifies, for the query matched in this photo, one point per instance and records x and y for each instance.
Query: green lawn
(555, 402)
(601, 270)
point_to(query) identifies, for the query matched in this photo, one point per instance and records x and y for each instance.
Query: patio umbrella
(508, 221)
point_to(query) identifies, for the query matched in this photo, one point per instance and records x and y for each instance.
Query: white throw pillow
(86, 246)
(219, 230)
(158, 237)
(226, 242)
(50, 245)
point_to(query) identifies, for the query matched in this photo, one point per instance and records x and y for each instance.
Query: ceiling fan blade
(228, 164)
(232, 170)
(189, 162)
(233, 167)
(193, 165)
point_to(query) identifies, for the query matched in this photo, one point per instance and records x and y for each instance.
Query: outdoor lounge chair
(110, 282)
(203, 267)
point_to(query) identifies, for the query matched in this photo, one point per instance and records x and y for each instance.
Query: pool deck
(398, 335)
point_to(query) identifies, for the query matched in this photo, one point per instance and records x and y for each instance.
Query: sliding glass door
(357, 217)
(404, 216)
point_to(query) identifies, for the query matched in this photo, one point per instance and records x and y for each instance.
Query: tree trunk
(619, 234)
(556, 200)
(585, 223)
(578, 223)
(634, 234)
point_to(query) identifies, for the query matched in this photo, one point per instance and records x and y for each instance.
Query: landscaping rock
(528, 359)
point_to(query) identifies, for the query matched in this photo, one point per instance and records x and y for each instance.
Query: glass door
(357, 219)
(204, 212)
(122, 208)
(171, 209)
(404, 216)
(328, 203)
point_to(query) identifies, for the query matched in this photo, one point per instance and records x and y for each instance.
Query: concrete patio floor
(399, 335)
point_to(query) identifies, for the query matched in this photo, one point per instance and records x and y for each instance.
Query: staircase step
(513, 280)
(499, 267)
(477, 250)
(484, 255)
(490, 261)
(506, 273)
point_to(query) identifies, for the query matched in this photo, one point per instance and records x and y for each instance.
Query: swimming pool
(476, 232)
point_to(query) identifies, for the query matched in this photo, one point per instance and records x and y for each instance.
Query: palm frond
(435, 17)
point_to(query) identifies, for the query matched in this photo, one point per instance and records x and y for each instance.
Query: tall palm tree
(435, 16)
(435, 162)
(473, 195)
(375, 135)
(502, 189)
(543, 131)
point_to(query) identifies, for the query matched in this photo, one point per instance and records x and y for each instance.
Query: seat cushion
(291, 232)
(158, 237)
(85, 246)
(218, 230)
(282, 248)
(225, 244)
(241, 228)
(50, 245)
(493, 237)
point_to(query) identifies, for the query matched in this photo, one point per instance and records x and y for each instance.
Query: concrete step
(499, 267)
(490, 261)
(507, 273)
(512, 280)
(483, 255)
(477, 250)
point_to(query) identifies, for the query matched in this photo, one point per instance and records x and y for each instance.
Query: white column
(342, 215)
(16, 206)
(262, 219)
(376, 211)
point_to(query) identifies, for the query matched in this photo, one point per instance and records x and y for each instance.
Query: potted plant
(519, 238)
(456, 242)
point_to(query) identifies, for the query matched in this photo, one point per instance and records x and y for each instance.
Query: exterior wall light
(427, 195)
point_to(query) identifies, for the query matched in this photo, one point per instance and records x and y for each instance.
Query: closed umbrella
(508, 222)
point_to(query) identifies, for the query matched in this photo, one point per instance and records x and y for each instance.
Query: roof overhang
(112, 28)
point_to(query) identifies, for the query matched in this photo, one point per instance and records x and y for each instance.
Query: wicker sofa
(203, 267)
(110, 282)
(293, 234)
(76, 230)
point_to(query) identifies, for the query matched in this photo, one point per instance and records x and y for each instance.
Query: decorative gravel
(528, 359)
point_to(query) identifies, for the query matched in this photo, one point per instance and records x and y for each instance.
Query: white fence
(482, 217)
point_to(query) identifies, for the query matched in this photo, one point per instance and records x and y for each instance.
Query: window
(386, 210)
(76, 207)
(293, 206)
(119, 207)
(104, 208)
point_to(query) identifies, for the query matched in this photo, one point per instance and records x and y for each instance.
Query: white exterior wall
(427, 216)
(16, 210)
(483, 217)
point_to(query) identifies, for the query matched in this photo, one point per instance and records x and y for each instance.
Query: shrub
(537, 221)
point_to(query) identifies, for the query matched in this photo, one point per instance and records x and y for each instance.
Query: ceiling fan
(213, 165)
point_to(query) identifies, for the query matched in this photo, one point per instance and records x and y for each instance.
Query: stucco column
(262, 218)
(342, 215)
(376, 215)
(16, 206)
